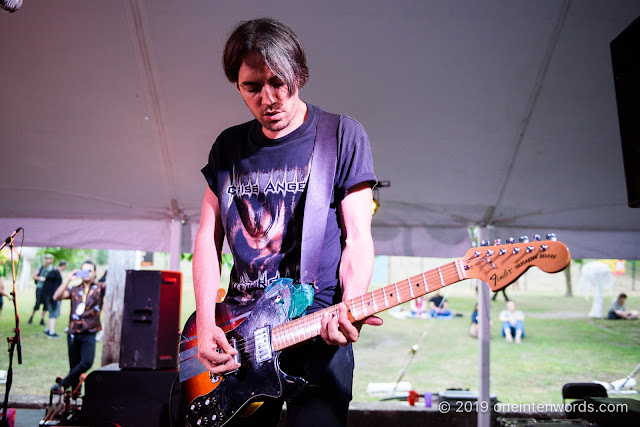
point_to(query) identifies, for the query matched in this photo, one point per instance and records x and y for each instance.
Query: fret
(397, 293)
(363, 310)
(459, 269)
(410, 288)
(426, 286)
(386, 302)
(441, 278)
(375, 306)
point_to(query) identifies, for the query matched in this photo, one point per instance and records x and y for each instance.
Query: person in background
(39, 277)
(618, 309)
(512, 323)
(473, 327)
(3, 293)
(418, 308)
(51, 283)
(84, 322)
(439, 307)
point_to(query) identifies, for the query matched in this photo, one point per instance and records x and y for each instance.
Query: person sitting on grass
(439, 307)
(618, 309)
(512, 323)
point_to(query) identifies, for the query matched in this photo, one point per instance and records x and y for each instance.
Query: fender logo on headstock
(526, 261)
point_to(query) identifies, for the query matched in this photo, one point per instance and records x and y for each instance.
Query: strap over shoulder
(319, 193)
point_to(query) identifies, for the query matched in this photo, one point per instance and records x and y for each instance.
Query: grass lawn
(559, 348)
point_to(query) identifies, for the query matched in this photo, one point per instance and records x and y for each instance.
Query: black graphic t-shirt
(260, 184)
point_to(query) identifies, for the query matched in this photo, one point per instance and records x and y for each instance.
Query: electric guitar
(261, 335)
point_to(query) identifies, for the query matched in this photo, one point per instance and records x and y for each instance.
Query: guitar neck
(307, 327)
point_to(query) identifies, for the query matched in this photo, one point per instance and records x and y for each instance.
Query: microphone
(8, 239)
(10, 5)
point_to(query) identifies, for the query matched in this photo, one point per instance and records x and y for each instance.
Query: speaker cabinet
(151, 320)
(626, 74)
(131, 398)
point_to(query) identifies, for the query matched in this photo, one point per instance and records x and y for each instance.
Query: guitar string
(296, 330)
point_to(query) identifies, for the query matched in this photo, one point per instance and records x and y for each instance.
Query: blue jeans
(519, 327)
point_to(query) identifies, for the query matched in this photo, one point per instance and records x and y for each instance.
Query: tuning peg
(511, 240)
(484, 243)
(502, 251)
(498, 242)
(476, 254)
(544, 247)
(524, 239)
(552, 236)
(490, 252)
(516, 250)
(530, 249)
(536, 237)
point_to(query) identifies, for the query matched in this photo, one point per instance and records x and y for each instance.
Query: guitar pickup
(262, 341)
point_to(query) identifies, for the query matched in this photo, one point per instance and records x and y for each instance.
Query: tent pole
(175, 243)
(484, 306)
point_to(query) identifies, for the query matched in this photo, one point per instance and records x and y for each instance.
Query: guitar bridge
(262, 340)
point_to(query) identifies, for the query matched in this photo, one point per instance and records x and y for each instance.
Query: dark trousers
(82, 351)
(325, 402)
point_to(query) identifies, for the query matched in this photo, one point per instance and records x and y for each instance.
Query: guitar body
(214, 401)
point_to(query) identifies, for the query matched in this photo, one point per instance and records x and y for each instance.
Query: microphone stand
(14, 342)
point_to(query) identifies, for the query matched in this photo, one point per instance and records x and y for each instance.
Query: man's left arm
(356, 264)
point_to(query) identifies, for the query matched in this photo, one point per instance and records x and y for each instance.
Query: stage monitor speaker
(132, 398)
(626, 75)
(151, 320)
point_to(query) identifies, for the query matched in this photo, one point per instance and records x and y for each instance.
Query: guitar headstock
(502, 264)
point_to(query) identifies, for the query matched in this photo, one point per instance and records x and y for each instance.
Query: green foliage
(101, 256)
(74, 257)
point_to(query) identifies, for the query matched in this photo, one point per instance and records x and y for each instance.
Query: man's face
(268, 98)
(92, 275)
(48, 261)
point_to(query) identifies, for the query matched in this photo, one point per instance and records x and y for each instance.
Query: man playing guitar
(256, 175)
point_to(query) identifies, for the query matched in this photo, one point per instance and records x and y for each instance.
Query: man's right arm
(206, 280)
(63, 290)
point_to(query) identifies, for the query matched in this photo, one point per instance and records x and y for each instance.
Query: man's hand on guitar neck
(338, 330)
(214, 351)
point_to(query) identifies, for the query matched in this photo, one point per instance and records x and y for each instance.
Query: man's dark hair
(95, 268)
(275, 42)
(62, 263)
(622, 295)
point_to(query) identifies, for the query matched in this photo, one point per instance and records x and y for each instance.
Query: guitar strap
(319, 193)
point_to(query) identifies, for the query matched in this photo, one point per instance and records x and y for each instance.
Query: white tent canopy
(493, 113)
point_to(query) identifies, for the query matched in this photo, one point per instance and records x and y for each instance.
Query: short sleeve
(355, 162)
(210, 170)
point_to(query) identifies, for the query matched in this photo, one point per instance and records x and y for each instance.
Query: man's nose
(268, 95)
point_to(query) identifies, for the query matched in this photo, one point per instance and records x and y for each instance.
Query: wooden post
(118, 263)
